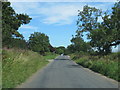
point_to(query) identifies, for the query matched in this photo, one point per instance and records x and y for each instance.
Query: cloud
(60, 14)
(54, 13)
(26, 7)
(62, 0)
(57, 20)
(28, 27)
(26, 30)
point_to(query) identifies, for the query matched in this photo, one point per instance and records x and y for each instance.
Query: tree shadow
(74, 66)
(61, 59)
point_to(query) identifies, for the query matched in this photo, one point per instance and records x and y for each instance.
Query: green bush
(88, 64)
(106, 65)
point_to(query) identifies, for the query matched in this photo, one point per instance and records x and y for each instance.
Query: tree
(88, 19)
(11, 21)
(70, 49)
(60, 50)
(78, 44)
(18, 43)
(113, 25)
(52, 49)
(103, 34)
(39, 42)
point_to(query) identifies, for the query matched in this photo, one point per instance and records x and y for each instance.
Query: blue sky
(55, 19)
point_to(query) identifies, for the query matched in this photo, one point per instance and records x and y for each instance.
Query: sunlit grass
(0, 68)
(18, 65)
(50, 56)
(106, 65)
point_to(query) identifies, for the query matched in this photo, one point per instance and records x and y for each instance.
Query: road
(64, 73)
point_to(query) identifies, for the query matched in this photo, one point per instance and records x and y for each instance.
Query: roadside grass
(50, 55)
(0, 71)
(107, 65)
(18, 65)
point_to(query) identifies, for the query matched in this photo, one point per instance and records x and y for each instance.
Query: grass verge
(0, 70)
(50, 55)
(18, 65)
(107, 65)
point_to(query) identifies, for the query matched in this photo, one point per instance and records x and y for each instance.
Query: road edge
(29, 79)
(87, 69)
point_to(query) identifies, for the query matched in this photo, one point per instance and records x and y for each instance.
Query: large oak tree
(103, 34)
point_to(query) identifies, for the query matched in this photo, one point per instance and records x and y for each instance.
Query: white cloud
(53, 13)
(60, 14)
(26, 30)
(26, 7)
(62, 0)
(29, 27)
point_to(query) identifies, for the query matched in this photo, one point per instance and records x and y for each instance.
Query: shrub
(107, 65)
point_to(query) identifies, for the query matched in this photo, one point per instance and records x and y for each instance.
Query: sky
(56, 19)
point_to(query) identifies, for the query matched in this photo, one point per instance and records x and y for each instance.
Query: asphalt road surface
(64, 73)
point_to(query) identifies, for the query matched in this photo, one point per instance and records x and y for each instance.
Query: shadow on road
(74, 66)
(61, 59)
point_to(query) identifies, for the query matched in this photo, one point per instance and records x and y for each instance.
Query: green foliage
(18, 43)
(87, 19)
(106, 65)
(60, 50)
(103, 34)
(78, 45)
(18, 65)
(50, 55)
(11, 21)
(0, 69)
(39, 42)
(70, 49)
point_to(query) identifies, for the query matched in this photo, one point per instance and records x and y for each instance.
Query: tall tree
(113, 25)
(39, 42)
(102, 35)
(60, 50)
(70, 49)
(19, 43)
(79, 44)
(88, 19)
(11, 21)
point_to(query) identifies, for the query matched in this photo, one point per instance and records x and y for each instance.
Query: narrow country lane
(64, 73)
